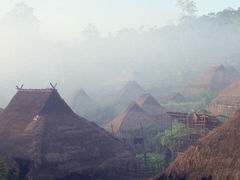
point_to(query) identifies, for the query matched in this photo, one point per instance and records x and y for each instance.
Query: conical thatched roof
(130, 92)
(216, 79)
(215, 156)
(228, 101)
(39, 129)
(131, 117)
(174, 97)
(149, 104)
(80, 101)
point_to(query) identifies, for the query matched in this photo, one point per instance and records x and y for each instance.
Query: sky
(47, 37)
(66, 19)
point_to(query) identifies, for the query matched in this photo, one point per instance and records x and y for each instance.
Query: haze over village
(140, 90)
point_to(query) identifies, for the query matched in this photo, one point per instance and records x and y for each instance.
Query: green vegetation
(4, 170)
(206, 97)
(152, 159)
(149, 133)
(222, 118)
(184, 106)
(193, 102)
(156, 142)
(156, 139)
(7, 173)
(204, 111)
(178, 130)
(168, 137)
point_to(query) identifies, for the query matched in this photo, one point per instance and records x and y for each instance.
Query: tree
(91, 32)
(188, 7)
(7, 173)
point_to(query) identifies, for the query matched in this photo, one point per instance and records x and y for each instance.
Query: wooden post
(112, 129)
(145, 153)
(188, 135)
(204, 125)
(17, 87)
(53, 86)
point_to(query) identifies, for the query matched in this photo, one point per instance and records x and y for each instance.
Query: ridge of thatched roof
(215, 156)
(216, 79)
(148, 103)
(38, 127)
(79, 93)
(228, 100)
(174, 97)
(147, 99)
(134, 84)
(26, 104)
(131, 117)
(36, 90)
(80, 100)
(128, 93)
(218, 74)
(232, 90)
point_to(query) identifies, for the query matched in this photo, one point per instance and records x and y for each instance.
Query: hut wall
(224, 108)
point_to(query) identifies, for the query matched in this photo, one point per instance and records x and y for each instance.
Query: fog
(170, 56)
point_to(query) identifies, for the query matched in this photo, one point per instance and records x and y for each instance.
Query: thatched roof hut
(131, 117)
(216, 156)
(216, 79)
(130, 92)
(174, 97)
(149, 104)
(40, 132)
(228, 101)
(80, 101)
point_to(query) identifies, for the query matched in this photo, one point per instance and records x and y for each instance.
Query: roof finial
(19, 87)
(53, 86)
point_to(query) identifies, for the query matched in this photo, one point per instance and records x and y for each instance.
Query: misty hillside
(159, 58)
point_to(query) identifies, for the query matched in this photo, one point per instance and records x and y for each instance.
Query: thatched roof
(228, 101)
(80, 100)
(149, 104)
(131, 117)
(216, 156)
(216, 79)
(38, 127)
(130, 92)
(174, 97)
